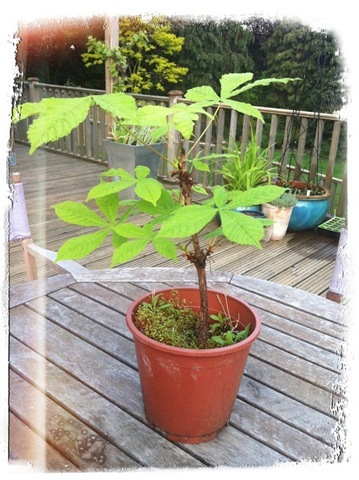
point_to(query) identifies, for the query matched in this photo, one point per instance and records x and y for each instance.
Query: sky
(339, 17)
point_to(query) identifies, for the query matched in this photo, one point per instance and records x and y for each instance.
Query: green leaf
(77, 213)
(265, 82)
(107, 188)
(127, 251)
(141, 171)
(220, 196)
(119, 105)
(129, 230)
(241, 229)
(57, 118)
(109, 206)
(166, 248)
(201, 166)
(153, 115)
(187, 221)
(183, 119)
(148, 189)
(80, 247)
(254, 196)
(118, 172)
(202, 94)
(245, 108)
(231, 81)
(26, 110)
(164, 207)
(199, 189)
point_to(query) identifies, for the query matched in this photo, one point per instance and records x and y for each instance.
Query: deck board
(304, 260)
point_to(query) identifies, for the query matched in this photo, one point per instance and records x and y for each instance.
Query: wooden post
(111, 41)
(173, 135)
(34, 93)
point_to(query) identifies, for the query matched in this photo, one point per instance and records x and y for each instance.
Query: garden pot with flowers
(189, 380)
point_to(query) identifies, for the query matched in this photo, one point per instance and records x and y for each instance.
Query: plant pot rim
(191, 352)
(269, 205)
(111, 140)
(299, 184)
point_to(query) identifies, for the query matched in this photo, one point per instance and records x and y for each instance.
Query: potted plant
(185, 381)
(245, 168)
(132, 146)
(279, 210)
(312, 205)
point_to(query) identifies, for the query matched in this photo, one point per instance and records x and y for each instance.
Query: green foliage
(286, 200)
(246, 169)
(296, 50)
(212, 48)
(175, 323)
(177, 218)
(142, 61)
(225, 332)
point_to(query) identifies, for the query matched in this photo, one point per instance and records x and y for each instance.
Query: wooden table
(75, 398)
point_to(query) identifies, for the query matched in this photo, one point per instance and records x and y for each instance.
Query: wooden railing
(290, 136)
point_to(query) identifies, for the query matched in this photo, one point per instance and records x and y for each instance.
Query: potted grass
(188, 392)
(279, 210)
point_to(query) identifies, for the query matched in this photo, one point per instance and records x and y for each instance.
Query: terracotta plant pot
(281, 218)
(189, 394)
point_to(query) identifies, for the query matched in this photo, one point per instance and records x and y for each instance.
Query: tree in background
(211, 48)
(295, 50)
(142, 62)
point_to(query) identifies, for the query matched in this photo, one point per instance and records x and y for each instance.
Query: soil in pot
(189, 393)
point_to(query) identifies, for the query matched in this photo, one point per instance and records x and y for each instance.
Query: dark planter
(189, 394)
(129, 157)
(309, 211)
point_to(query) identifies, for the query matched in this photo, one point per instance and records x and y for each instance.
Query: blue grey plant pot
(309, 212)
(129, 157)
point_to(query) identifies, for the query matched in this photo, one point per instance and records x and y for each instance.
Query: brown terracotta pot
(189, 394)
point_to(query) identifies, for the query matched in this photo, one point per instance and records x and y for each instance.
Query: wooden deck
(75, 395)
(304, 260)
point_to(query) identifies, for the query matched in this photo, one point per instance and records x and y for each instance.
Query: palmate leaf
(77, 213)
(57, 118)
(109, 206)
(80, 247)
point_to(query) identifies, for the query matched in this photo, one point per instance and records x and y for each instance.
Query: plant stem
(199, 262)
(198, 257)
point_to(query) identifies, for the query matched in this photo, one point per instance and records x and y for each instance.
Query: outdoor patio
(304, 260)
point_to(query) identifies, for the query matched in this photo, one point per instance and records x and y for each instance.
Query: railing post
(173, 135)
(33, 89)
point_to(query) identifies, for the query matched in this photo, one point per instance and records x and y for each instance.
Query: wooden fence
(290, 136)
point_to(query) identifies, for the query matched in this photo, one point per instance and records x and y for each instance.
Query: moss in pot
(279, 210)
